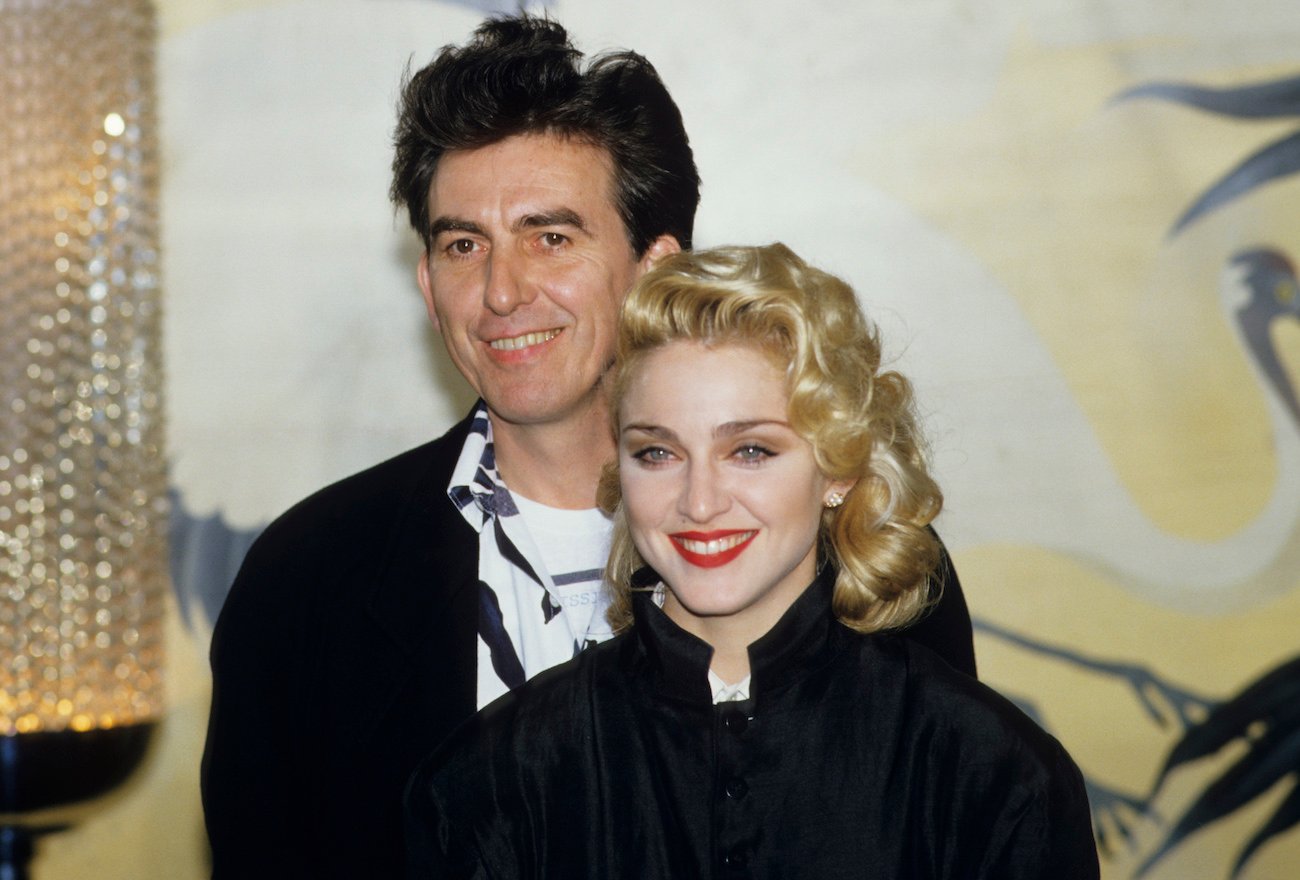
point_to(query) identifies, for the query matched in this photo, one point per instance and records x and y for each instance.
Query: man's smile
(514, 343)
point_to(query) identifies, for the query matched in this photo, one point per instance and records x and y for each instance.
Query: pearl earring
(835, 499)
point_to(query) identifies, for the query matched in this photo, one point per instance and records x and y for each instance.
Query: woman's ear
(836, 491)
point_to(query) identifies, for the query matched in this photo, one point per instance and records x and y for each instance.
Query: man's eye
(554, 239)
(461, 247)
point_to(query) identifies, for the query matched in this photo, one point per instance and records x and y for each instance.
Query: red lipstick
(698, 553)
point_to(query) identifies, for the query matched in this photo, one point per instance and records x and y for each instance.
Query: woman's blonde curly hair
(860, 421)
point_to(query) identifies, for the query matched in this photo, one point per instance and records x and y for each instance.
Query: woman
(755, 718)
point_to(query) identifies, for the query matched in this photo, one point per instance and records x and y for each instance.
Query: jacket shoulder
(990, 745)
(375, 494)
(361, 508)
(346, 523)
(983, 726)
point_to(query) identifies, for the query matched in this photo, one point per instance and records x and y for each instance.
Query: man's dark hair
(521, 75)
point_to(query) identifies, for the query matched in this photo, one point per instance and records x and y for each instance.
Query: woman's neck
(730, 637)
(731, 634)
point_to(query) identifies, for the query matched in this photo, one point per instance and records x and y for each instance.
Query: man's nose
(507, 286)
(704, 494)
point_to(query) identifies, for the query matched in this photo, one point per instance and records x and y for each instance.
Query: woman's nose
(704, 495)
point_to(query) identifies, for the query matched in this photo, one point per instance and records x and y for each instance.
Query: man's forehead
(531, 167)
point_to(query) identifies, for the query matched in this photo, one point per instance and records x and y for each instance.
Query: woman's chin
(705, 604)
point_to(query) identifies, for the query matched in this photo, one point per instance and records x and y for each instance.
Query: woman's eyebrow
(652, 430)
(726, 429)
(730, 429)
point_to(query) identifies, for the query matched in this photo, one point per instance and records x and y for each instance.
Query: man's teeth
(719, 545)
(517, 342)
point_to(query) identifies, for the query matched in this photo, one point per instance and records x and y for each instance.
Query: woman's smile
(712, 549)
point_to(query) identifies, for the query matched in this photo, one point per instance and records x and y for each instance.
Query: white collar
(728, 693)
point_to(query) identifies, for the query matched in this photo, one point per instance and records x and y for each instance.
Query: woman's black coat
(857, 756)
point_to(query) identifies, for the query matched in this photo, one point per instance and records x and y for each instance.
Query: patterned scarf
(520, 620)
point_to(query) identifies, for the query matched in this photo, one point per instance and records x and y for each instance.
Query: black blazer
(345, 652)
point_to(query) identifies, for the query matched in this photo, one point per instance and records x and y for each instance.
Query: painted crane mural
(1266, 714)
(1260, 290)
(1268, 275)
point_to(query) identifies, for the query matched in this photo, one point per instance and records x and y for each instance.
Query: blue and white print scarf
(520, 620)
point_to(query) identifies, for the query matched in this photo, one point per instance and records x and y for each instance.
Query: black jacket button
(734, 859)
(736, 722)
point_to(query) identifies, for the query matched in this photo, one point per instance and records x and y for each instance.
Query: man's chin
(539, 409)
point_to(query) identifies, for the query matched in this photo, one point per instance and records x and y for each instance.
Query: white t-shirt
(574, 545)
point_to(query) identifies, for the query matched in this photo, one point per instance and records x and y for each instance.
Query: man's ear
(659, 248)
(426, 288)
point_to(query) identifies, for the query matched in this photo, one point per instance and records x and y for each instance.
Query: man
(373, 617)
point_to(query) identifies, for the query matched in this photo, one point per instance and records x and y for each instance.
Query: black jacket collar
(802, 641)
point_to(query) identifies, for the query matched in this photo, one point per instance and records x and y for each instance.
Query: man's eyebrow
(454, 224)
(554, 217)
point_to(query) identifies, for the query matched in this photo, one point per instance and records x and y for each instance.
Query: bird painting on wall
(1260, 293)
(1269, 294)
(1262, 290)
(1275, 99)
(1267, 275)
(1265, 716)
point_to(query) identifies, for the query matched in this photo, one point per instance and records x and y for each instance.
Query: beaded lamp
(82, 474)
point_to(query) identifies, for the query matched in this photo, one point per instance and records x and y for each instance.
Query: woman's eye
(753, 452)
(653, 455)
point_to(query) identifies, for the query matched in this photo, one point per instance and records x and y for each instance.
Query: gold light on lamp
(82, 475)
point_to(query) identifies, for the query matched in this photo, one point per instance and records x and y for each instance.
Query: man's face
(528, 264)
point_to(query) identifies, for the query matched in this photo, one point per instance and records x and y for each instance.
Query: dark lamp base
(42, 770)
(45, 776)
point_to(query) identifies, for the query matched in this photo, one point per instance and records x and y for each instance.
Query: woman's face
(722, 496)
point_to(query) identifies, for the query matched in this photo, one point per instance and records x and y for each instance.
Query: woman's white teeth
(718, 545)
(517, 342)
